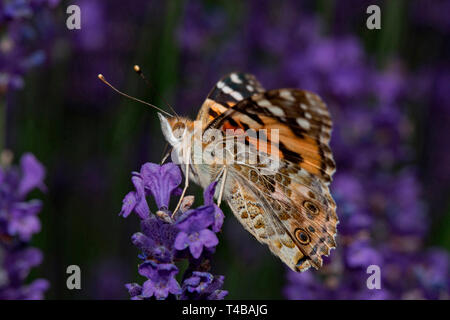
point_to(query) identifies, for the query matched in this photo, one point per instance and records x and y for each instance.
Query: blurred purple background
(386, 90)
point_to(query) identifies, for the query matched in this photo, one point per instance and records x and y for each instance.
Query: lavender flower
(161, 280)
(18, 223)
(22, 44)
(164, 237)
(194, 232)
(161, 181)
(19, 217)
(203, 285)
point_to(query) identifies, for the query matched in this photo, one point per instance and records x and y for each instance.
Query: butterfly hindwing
(252, 211)
(296, 220)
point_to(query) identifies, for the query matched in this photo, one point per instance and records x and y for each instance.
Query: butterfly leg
(186, 185)
(222, 186)
(167, 154)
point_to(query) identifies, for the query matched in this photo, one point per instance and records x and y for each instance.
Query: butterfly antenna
(102, 78)
(141, 74)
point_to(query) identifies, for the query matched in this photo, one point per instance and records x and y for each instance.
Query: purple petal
(128, 204)
(29, 208)
(168, 269)
(218, 295)
(199, 281)
(18, 264)
(33, 173)
(218, 219)
(181, 241)
(148, 289)
(193, 281)
(147, 269)
(139, 185)
(35, 291)
(141, 241)
(133, 289)
(25, 227)
(174, 286)
(208, 238)
(208, 194)
(141, 207)
(161, 292)
(196, 248)
(196, 219)
(162, 181)
(208, 198)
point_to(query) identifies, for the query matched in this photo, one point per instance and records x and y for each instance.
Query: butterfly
(287, 207)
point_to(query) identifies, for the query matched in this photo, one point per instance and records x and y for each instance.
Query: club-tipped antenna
(102, 78)
(141, 74)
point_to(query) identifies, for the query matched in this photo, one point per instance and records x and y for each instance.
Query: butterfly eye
(311, 207)
(302, 236)
(178, 130)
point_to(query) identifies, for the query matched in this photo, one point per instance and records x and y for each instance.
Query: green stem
(392, 24)
(328, 8)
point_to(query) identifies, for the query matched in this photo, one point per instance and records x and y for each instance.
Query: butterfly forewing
(228, 91)
(287, 207)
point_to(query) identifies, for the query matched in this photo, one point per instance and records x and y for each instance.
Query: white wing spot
(276, 110)
(236, 95)
(249, 88)
(286, 94)
(257, 96)
(264, 103)
(235, 78)
(226, 89)
(303, 123)
(303, 106)
(308, 115)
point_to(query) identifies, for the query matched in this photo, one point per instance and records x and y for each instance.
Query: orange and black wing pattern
(301, 120)
(227, 92)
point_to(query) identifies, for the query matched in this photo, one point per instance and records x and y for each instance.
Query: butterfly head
(175, 129)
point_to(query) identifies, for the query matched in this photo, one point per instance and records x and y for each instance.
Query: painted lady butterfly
(286, 206)
(289, 208)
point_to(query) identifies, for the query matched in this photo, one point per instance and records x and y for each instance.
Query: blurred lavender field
(387, 91)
